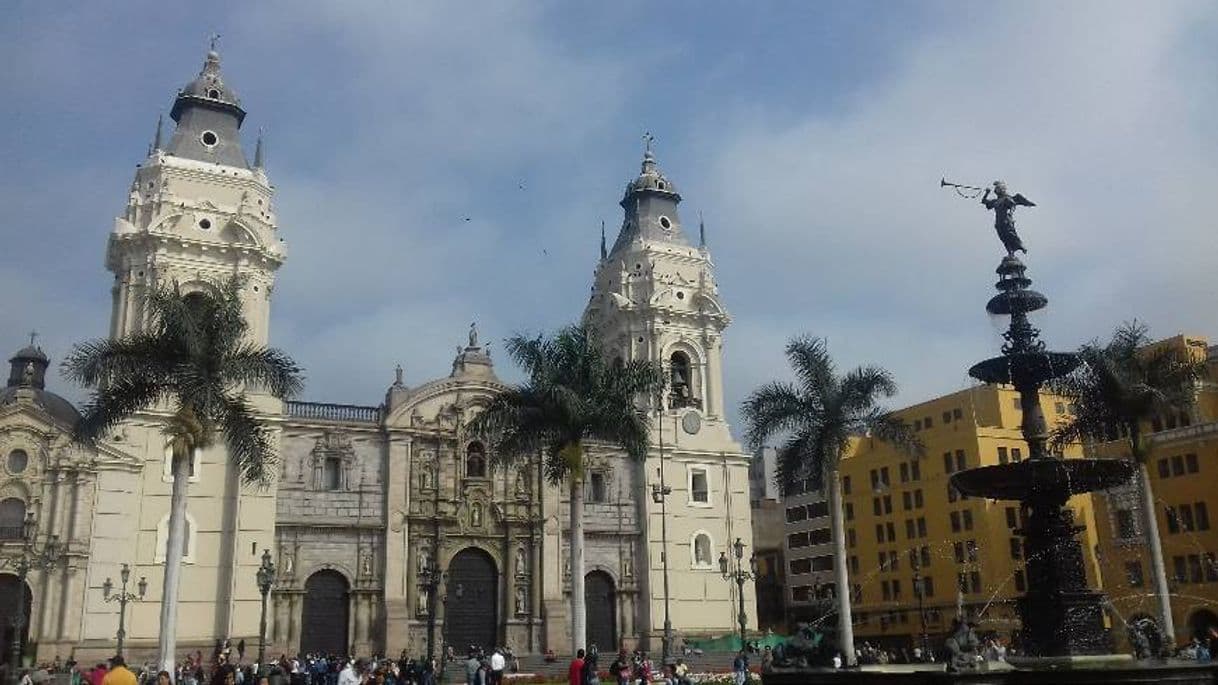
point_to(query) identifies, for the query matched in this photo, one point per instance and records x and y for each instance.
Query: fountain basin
(1025, 479)
(1024, 368)
(1089, 671)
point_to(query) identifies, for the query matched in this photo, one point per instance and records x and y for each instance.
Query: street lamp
(920, 590)
(659, 495)
(122, 598)
(31, 557)
(431, 576)
(266, 580)
(740, 576)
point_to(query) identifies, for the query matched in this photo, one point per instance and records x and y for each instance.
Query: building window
(918, 499)
(12, 519)
(955, 519)
(702, 550)
(822, 563)
(1173, 523)
(796, 514)
(1016, 548)
(909, 529)
(797, 540)
(845, 485)
(801, 566)
(968, 519)
(892, 531)
(849, 511)
(851, 538)
(1012, 520)
(1177, 465)
(475, 461)
(876, 509)
(1164, 468)
(970, 548)
(947, 463)
(907, 500)
(1211, 567)
(1179, 566)
(1195, 573)
(820, 536)
(904, 470)
(18, 460)
(188, 546)
(1202, 516)
(884, 476)
(927, 586)
(1021, 585)
(1190, 463)
(915, 471)
(958, 551)
(879, 532)
(924, 553)
(921, 528)
(947, 417)
(887, 504)
(1016, 454)
(596, 480)
(961, 462)
(818, 509)
(957, 414)
(1002, 455)
(699, 486)
(975, 580)
(1126, 525)
(332, 473)
(1133, 573)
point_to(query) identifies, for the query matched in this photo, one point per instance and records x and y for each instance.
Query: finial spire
(649, 158)
(212, 40)
(701, 230)
(156, 140)
(258, 160)
(604, 253)
(33, 338)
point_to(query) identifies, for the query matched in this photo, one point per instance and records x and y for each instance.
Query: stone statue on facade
(424, 560)
(521, 604)
(522, 567)
(473, 334)
(287, 562)
(1003, 205)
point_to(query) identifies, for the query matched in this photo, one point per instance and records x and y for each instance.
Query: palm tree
(818, 417)
(573, 396)
(1118, 388)
(191, 359)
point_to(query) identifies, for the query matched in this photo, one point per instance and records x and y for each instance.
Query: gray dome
(650, 178)
(58, 407)
(209, 85)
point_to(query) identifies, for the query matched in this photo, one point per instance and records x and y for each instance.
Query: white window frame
(162, 536)
(167, 466)
(693, 551)
(689, 485)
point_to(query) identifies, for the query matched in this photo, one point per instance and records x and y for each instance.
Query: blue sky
(811, 135)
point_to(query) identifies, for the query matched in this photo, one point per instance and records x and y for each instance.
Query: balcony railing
(345, 413)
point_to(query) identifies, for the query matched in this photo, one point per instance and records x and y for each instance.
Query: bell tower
(654, 295)
(197, 211)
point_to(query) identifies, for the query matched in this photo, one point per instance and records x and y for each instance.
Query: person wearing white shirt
(497, 665)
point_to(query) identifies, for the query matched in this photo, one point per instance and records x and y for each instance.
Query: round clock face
(691, 422)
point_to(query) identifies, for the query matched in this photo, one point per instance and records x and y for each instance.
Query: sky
(811, 136)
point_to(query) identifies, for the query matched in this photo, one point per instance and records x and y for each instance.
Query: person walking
(498, 663)
(118, 673)
(575, 671)
(620, 668)
(740, 667)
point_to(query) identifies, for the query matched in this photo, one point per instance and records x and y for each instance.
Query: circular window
(665, 223)
(17, 461)
(209, 138)
(680, 295)
(204, 224)
(214, 94)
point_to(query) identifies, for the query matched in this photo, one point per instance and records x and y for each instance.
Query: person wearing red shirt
(575, 672)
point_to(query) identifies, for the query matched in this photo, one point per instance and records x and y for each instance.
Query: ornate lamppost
(266, 580)
(31, 557)
(123, 597)
(740, 576)
(920, 590)
(659, 495)
(431, 577)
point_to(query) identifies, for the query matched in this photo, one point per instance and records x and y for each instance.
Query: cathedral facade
(387, 520)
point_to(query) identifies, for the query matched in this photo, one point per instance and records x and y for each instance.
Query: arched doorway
(601, 602)
(9, 596)
(471, 603)
(324, 619)
(1200, 623)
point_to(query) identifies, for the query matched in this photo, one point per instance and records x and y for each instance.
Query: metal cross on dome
(648, 139)
(212, 39)
(33, 337)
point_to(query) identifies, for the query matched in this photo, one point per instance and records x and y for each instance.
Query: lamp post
(659, 495)
(266, 580)
(31, 557)
(919, 589)
(431, 577)
(123, 597)
(740, 576)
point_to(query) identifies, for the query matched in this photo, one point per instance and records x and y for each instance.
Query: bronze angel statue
(1003, 204)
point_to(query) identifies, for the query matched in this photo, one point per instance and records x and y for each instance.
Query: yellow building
(1183, 465)
(904, 522)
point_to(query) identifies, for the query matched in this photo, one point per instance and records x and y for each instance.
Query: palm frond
(887, 427)
(249, 440)
(113, 403)
(263, 367)
(773, 409)
(809, 358)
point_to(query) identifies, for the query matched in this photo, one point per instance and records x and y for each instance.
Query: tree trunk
(175, 542)
(579, 617)
(841, 574)
(1158, 571)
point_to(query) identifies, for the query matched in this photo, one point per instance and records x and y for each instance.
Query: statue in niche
(521, 600)
(522, 566)
(424, 563)
(627, 565)
(420, 604)
(521, 488)
(425, 478)
(287, 561)
(473, 334)
(475, 515)
(566, 568)
(367, 568)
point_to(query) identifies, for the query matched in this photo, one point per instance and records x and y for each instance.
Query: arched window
(680, 382)
(702, 550)
(475, 461)
(332, 473)
(17, 461)
(12, 519)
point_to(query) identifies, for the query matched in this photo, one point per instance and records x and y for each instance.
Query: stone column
(398, 567)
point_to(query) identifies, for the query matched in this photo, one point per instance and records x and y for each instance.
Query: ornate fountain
(1061, 615)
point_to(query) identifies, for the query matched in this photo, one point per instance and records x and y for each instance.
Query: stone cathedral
(371, 496)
